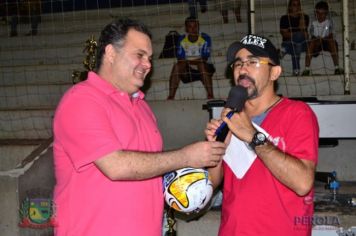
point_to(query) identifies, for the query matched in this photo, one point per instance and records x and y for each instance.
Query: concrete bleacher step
(12, 155)
(67, 41)
(218, 32)
(68, 48)
(55, 66)
(91, 22)
(156, 17)
(39, 97)
(77, 38)
(42, 56)
(38, 74)
(213, 26)
(58, 70)
(323, 64)
(267, 9)
(291, 86)
(31, 96)
(17, 81)
(195, 90)
(50, 59)
(73, 53)
(26, 124)
(42, 88)
(22, 42)
(37, 123)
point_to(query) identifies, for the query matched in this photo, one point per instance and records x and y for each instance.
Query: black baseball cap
(257, 45)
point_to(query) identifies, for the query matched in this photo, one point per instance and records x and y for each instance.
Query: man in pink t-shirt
(275, 195)
(107, 147)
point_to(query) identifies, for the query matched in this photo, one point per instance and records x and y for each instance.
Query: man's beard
(251, 90)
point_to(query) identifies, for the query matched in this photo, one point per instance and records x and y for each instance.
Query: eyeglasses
(251, 62)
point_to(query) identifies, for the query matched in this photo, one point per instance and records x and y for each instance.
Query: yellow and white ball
(188, 189)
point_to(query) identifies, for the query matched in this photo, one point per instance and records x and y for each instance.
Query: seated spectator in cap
(322, 34)
(294, 30)
(193, 53)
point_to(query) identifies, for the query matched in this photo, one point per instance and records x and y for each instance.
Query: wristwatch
(257, 140)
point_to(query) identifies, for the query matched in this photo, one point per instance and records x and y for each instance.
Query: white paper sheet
(239, 156)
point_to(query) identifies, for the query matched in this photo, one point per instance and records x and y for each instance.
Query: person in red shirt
(275, 195)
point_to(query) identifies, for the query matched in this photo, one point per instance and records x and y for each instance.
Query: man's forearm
(295, 173)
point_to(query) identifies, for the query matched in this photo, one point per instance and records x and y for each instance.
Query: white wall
(183, 122)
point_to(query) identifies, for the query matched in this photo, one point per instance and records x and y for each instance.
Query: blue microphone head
(237, 98)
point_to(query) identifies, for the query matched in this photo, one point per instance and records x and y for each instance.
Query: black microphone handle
(223, 133)
(236, 101)
(223, 129)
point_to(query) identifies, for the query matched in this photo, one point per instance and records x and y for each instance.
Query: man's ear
(110, 53)
(275, 72)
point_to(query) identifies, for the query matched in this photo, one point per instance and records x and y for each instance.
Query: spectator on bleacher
(193, 54)
(3, 13)
(193, 7)
(25, 11)
(108, 148)
(322, 33)
(294, 30)
(268, 173)
(226, 5)
(11, 10)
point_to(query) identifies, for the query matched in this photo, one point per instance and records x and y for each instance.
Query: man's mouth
(141, 73)
(245, 81)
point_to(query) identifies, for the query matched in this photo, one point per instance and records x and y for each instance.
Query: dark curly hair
(115, 33)
(322, 5)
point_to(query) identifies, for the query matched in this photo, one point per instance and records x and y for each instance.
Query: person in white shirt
(322, 38)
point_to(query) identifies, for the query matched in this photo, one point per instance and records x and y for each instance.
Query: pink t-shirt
(258, 204)
(94, 119)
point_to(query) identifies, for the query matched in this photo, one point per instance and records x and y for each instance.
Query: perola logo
(316, 220)
(254, 40)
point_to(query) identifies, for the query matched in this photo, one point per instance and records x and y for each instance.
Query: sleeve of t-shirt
(306, 20)
(302, 134)
(283, 23)
(332, 27)
(311, 30)
(180, 49)
(83, 129)
(206, 50)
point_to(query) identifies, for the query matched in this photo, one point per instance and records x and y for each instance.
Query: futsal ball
(188, 189)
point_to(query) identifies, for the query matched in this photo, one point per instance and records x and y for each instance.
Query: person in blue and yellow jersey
(193, 54)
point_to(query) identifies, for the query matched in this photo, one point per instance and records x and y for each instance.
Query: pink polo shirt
(92, 120)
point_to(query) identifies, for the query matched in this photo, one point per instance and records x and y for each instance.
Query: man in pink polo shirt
(275, 194)
(108, 149)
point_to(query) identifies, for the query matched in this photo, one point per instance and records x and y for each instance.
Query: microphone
(236, 101)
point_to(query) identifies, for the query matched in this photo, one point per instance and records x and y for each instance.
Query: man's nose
(147, 64)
